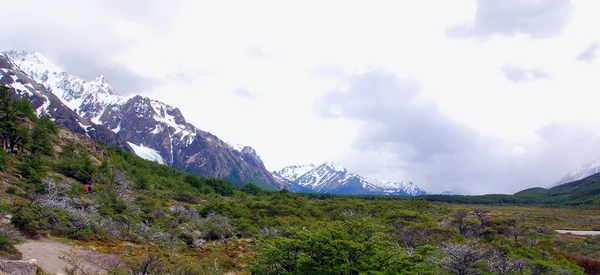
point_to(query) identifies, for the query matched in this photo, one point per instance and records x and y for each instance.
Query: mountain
(585, 191)
(583, 171)
(154, 130)
(333, 179)
(45, 102)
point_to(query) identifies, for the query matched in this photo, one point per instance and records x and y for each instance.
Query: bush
(252, 189)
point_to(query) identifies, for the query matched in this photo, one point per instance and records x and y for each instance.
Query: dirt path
(48, 252)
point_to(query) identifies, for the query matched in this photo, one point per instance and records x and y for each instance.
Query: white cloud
(518, 74)
(589, 53)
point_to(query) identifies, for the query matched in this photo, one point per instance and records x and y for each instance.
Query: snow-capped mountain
(45, 102)
(334, 179)
(582, 172)
(154, 130)
(292, 172)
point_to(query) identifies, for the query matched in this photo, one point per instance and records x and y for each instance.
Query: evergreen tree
(42, 135)
(13, 134)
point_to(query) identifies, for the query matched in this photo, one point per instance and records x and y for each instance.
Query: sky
(471, 96)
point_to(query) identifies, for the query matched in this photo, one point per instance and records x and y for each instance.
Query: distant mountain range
(156, 131)
(334, 179)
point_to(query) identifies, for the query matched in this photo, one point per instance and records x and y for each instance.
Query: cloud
(422, 144)
(89, 64)
(518, 74)
(589, 54)
(244, 93)
(535, 18)
(83, 39)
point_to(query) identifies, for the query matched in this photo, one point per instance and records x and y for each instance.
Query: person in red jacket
(87, 187)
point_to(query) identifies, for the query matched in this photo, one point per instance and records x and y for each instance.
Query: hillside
(582, 192)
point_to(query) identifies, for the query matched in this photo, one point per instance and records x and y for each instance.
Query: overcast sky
(480, 96)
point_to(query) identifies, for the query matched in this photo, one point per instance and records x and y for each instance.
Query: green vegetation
(167, 221)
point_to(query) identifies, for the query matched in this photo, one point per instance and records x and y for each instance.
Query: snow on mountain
(582, 172)
(237, 147)
(147, 153)
(146, 123)
(22, 85)
(99, 102)
(75, 92)
(332, 178)
(322, 176)
(292, 172)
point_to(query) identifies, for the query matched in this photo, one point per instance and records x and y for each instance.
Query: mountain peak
(28, 60)
(293, 172)
(334, 167)
(100, 78)
(102, 85)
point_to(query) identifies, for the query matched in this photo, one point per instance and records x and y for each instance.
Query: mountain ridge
(334, 179)
(44, 102)
(152, 127)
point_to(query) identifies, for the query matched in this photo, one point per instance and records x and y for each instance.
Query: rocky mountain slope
(582, 172)
(333, 179)
(154, 130)
(48, 103)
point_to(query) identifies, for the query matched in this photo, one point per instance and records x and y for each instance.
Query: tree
(42, 136)
(12, 133)
(461, 221)
(251, 189)
(501, 264)
(76, 163)
(461, 258)
(220, 186)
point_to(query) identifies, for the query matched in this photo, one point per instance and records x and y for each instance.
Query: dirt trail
(48, 252)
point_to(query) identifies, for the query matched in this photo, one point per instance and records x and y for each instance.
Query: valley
(150, 211)
(300, 137)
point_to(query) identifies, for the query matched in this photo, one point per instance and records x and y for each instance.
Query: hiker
(87, 187)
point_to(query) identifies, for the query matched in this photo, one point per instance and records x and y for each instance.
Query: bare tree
(502, 265)
(461, 258)
(348, 213)
(514, 231)
(459, 220)
(217, 226)
(412, 236)
(55, 194)
(483, 217)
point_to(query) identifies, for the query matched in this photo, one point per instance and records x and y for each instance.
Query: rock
(6, 219)
(18, 267)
